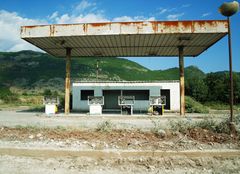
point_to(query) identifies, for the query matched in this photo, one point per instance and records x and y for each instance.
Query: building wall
(140, 105)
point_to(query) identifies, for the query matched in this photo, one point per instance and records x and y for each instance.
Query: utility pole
(97, 70)
(229, 9)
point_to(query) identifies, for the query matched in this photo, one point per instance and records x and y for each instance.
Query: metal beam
(181, 76)
(67, 81)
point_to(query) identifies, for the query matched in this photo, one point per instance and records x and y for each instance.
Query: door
(166, 92)
(111, 99)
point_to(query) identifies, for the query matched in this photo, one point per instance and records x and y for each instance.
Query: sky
(15, 13)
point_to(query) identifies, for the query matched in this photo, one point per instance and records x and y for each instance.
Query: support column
(67, 81)
(181, 76)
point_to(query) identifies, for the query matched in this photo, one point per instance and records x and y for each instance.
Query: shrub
(105, 126)
(209, 124)
(180, 126)
(192, 106)
(47, 92)
(7, 96)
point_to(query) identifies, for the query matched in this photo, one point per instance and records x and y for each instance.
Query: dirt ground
(27, 165)
(120, 139)
(35, 143)
(60, 151)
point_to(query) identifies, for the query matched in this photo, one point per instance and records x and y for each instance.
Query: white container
(95, 109)
(50, 109)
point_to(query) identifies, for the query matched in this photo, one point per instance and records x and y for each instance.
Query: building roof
(127, 39)
(124, 83)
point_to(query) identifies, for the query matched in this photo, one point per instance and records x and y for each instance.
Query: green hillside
(30, 69)
(33, 72)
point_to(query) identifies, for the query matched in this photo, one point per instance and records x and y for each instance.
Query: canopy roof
(126, 39)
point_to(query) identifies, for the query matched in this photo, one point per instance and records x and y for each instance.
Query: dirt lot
(60, 150)
(33, 143)
(119, 139)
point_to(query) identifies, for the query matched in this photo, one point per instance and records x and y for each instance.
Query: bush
(180, 126)
(192, 106)
(7, 96)
(106, 126)
(208, 124)
(47, 92)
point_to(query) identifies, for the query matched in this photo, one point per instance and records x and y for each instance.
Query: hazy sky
(14, 13)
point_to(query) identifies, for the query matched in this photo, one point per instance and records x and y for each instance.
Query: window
(86, 93)
(138, 94)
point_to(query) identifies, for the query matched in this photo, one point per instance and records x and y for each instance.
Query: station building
(141, 91)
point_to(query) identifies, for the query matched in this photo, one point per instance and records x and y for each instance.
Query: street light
(228, 9)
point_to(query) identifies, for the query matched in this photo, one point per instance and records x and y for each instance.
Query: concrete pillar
(181, 76)
(67, 81)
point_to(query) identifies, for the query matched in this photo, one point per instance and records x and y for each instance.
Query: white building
(111, 90)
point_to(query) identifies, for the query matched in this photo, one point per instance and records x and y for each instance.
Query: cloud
(84, 12)
(162, 11)
(174, 17)
(135, 18)
(53, 16)
(206, 14)
(84, 5)
(10, 23)
(88, 18)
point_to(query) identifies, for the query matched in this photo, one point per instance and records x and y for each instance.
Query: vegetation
(208, 124)
(192, 106)
(106, 126)
(7, 96)
(32, 73)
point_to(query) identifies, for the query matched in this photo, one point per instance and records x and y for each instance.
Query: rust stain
(203, 24)
(187, 24)
(99, 24)
(226, 25)
(131, 23)
(30, 26)
(154, 26)
(85, 26)
(52, 30)
(171, 23)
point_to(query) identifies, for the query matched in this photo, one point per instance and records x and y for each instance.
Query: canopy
(127, 39)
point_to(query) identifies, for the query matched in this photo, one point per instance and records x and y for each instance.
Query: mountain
(30, 67)
(29, 72)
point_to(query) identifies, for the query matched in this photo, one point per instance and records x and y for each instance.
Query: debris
(31, 136)
(39, 135)
(161, 133)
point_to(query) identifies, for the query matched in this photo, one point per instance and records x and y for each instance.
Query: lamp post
(229, 9)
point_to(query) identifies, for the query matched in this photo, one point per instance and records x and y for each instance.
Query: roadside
(75, 120)
(31, 142)
(59, 150)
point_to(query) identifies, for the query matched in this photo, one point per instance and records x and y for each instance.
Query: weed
(61, 128)
(180, 126)
(105, 126)
(208, 124)
(158, 128)
(192, 106)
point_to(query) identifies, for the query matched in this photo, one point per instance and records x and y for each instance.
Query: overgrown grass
(106, 126)
(7, 96)
(208, 124)
(30, 128)
(192, 106)
(221, 106)
(156, 126)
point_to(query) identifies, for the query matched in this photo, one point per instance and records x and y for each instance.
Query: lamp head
(229, 8)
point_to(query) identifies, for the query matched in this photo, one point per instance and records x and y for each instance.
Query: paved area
(16, 118)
